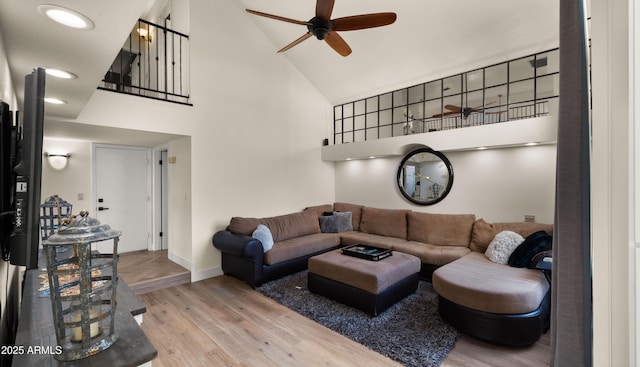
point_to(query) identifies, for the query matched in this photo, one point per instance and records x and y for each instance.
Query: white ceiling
(430, 39)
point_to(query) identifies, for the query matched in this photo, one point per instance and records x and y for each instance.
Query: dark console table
(36, 334)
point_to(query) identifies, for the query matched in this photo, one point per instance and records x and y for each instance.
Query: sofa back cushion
(484, 232)
(245, 226)
(356, 212)
(440, 229)
(282, 227)
(384, 222)
(320, 209)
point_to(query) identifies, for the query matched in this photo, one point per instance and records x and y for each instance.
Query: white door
(121, 197)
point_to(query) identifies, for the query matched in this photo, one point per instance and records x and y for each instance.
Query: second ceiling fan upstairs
(324, 28)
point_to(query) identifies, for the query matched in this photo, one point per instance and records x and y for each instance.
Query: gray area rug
(410, 332)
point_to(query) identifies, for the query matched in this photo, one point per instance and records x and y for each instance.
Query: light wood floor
(146, 271)
(223, 322)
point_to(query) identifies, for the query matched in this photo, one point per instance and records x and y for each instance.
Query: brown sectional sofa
(465, 279)
(436, 239)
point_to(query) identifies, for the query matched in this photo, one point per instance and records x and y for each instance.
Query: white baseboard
(180, 261)
(205, 274)
(195, 275)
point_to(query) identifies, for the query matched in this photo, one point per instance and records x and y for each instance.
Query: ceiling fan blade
(363, 21)
(337, 43)
(447, 114)
(324, 8)
(453, 108)
(296, 42)
(277, 17)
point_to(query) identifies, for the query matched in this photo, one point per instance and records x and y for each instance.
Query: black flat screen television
(7, 178)
(25, 239)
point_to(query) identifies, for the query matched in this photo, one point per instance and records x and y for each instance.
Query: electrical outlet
(529, 218)
(80, 196)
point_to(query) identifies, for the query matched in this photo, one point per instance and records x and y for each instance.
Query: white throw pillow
(502, 246)
(263, 234)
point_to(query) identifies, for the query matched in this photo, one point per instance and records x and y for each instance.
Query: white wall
(498, 185)
(613, 185)
(179, 168)
(256, 129)
(72, 181)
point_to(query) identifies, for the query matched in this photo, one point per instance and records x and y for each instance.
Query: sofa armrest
(239, 245)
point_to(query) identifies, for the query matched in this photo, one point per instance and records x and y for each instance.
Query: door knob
(101, 208)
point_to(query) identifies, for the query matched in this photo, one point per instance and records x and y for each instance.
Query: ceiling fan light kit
(324, 28)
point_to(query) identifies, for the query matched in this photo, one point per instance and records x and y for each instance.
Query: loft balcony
(153, 63)
(518, 89)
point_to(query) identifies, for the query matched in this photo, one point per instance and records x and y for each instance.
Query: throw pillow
(263, 234)
(532, 245)
(338, 222)
(502, 246)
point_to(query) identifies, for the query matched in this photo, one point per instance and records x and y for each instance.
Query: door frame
(94, 183)
(160, 206)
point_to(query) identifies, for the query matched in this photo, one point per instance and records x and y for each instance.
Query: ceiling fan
(465, 111)
(324, 28)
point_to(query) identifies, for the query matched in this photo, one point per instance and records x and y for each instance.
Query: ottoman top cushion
(371, 276)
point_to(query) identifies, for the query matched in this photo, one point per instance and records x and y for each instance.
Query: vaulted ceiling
(430, 39)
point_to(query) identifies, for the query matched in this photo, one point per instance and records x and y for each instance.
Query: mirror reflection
(425, 176)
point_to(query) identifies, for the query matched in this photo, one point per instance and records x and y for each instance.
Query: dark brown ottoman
(370, 286)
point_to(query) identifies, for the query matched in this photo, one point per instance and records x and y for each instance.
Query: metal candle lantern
(82, 287)
(54, 210)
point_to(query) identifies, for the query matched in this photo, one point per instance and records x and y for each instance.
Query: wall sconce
(57, 161)
(144, 34)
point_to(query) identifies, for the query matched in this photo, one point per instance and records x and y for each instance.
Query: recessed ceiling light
(348, 159)
(481, 148)
(531, 144)
(67, 17)
(54, 100)
(372, 157)
(58, 73)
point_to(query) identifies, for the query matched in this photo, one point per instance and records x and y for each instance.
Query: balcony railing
(522, 88)
(153, 63)
(500, 114)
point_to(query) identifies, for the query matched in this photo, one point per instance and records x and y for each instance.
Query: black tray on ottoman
(367, 252)
(370, 286)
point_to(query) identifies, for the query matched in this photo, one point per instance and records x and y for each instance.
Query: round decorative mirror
(425, 176)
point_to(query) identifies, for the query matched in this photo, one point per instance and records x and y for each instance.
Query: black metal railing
(153, 63)
(521, 88)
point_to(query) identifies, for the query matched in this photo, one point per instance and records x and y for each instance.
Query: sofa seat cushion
(431, 254)
(355, 238)
(300, 246)
(479, 284)
(384, 222)
(440, 229)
